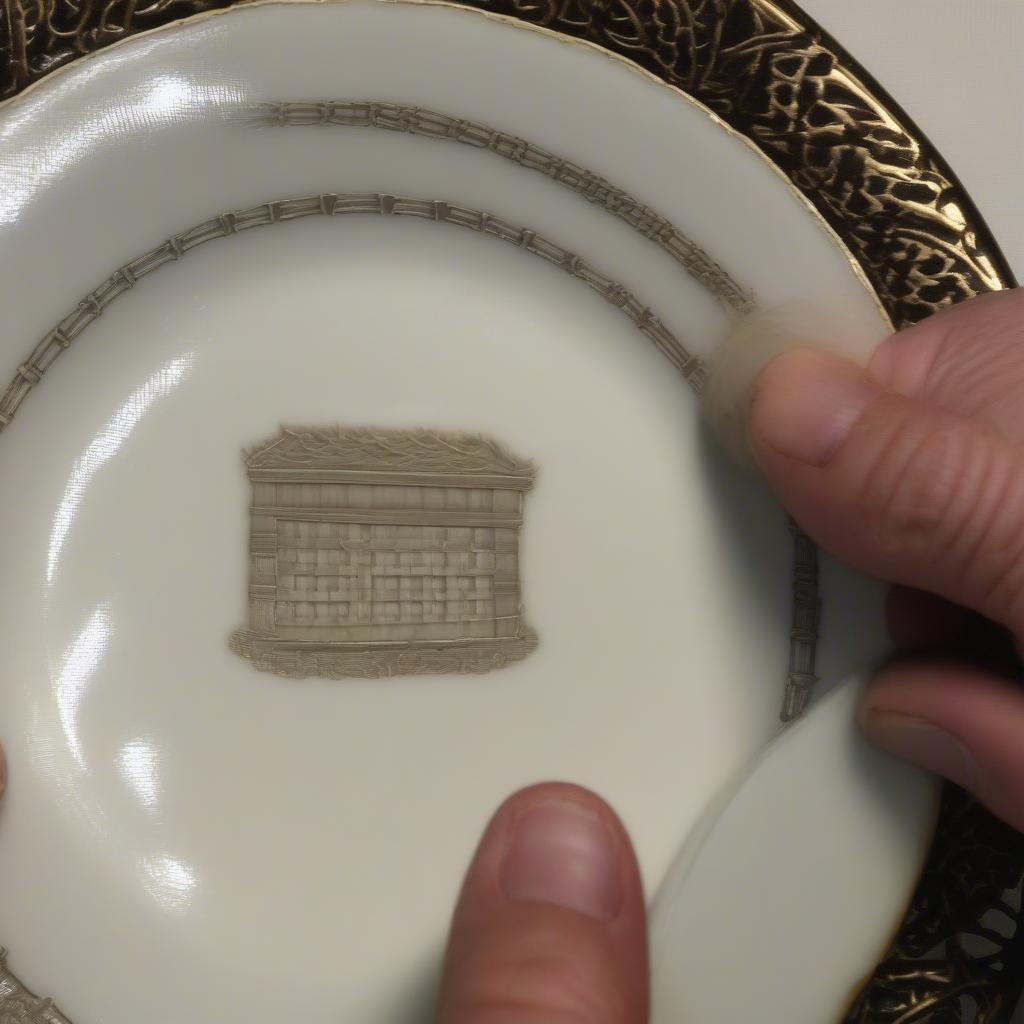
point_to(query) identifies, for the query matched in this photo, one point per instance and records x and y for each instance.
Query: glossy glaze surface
(260, 832)
(752, 919)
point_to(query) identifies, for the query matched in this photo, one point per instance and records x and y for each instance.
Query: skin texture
(911, 468)
(528, 944)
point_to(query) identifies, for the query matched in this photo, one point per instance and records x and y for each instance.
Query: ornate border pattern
(20, 1006)
(355, 662)
(761, 65)
(430, 124)
(776, 78)
(90, 308)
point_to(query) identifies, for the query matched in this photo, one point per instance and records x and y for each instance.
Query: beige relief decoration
(383, 553)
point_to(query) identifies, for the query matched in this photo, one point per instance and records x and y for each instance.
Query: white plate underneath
(186, 836)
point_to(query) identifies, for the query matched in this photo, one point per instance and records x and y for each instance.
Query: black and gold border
(777, 79)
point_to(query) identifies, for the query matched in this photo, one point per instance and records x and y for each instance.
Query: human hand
(550, 925)
(913, 470)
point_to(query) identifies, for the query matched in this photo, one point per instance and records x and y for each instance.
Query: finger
(550, 926)
(919, 621)
(895, 486)
(968, 360)
(957, 720)
(923, 623)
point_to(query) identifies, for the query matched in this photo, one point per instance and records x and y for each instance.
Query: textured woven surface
(384, 552)
(353, 574)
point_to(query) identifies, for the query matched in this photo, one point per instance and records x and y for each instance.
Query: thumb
(892, 484)
(550, 925)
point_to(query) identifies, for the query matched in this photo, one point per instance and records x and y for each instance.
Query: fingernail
(563, 853)
(923, 744)
(805, 402)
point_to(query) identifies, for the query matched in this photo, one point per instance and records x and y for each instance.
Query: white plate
(790, 878)
(239, 845)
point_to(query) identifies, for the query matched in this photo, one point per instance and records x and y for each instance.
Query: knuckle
(978, 367)
(912, 495)
(999, 568)
(943, 499)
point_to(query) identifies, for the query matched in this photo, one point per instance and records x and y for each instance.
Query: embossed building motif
(383, 552)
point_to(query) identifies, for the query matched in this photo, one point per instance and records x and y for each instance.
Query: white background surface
(955, 66)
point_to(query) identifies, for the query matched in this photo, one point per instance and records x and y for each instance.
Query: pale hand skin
(912, 470)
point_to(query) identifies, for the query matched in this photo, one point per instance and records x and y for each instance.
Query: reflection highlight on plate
(139, 766)
(80, 662)
(105, 445)
(168, 99)
(169, 881)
